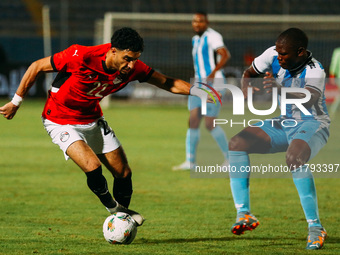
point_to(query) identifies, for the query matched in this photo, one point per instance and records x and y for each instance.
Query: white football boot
(187, 165)
(135, 215)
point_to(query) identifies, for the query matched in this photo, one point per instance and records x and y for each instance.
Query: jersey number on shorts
(106, 127)
(99, 88)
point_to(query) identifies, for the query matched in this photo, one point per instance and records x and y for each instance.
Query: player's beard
(125, 70)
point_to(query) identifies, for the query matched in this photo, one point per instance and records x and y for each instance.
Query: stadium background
(167, 48)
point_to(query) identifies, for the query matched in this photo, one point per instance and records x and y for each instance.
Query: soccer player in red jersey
(72, 115)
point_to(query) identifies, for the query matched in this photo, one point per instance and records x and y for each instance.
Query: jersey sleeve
(263, 63)
(66, 60)
(142, 71)
(216, 41)
(315, 79)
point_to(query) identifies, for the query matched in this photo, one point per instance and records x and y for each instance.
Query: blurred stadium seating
(19, 22)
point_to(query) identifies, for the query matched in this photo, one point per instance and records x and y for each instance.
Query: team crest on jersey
(64, 136)
(117, 80)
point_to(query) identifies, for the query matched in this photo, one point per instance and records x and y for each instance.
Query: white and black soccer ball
(119, 228)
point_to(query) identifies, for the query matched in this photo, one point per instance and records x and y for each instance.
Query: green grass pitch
(46, 207)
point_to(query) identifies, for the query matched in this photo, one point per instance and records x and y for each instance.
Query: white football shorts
(98, 135)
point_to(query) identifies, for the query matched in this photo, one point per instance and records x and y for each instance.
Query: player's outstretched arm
(178, 86)
(40, 66)
(173, 85)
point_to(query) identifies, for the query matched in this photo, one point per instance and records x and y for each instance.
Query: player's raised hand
(212, 97)
(269, 82)
(245, 90)
(246, 83)
(9, 110)
(211, 77)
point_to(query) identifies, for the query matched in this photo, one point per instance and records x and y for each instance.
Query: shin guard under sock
(97, 183)
(122, 190)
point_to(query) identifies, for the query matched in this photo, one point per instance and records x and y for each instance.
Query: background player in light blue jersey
(287, 64)
(209, 56)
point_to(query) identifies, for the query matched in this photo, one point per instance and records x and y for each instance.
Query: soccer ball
(119, 228)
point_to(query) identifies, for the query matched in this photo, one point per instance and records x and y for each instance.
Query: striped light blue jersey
(310, 74)
(204, 54)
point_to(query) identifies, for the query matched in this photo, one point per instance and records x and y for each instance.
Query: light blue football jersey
(310, 74)
(204, 54)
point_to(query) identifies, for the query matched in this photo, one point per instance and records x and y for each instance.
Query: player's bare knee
(209, 126)
(89, 165)
(194, 124)
(127, 172)
(235, 144)
(124, 172)
(194, 121)
(294, 161)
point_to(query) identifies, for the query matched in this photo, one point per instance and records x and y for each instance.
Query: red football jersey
(82, 82)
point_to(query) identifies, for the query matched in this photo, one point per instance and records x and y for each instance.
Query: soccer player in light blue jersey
(287, 64)
(209, 56)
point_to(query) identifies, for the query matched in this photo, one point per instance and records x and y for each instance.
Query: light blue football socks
(221, 139)
(304, 183)
(193, 137)
(239, 181)
(191, 141)
(302, 177)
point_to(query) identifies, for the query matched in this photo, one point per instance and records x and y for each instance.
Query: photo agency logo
(286, 104)
(255, 106)
(213, 95)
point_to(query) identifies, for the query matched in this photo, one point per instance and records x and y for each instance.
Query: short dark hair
(127, 38)
(200, 12)
(295, 36)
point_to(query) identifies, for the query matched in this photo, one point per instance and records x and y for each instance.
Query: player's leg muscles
(209, 122)
(298, 153)
(83, 156)
(195, 118)
(87, 160)
(251, 140)
(116, 162)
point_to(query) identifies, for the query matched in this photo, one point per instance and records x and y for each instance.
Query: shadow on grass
(265, 241)
(216, 239)
(180, 240)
